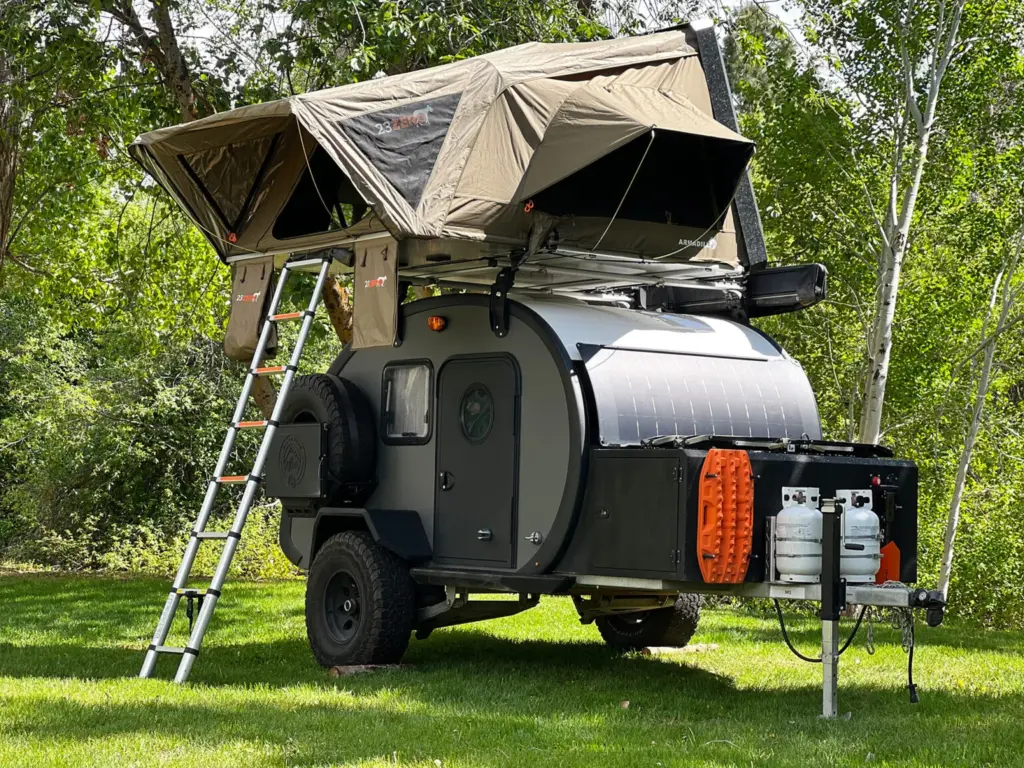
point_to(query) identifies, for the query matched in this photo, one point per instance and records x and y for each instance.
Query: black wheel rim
(341, 607)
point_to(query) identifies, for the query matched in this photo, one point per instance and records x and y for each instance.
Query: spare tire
(671, 627)
(350, 465)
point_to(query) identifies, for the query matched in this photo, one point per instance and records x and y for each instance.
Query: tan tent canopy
(609, 144)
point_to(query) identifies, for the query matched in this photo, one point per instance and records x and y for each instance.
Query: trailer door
(477, 458)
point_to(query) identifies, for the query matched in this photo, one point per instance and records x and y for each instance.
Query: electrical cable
(856, 628)
(809, 659)
(910, 670)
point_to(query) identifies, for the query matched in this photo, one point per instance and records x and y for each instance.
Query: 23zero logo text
(417, 118)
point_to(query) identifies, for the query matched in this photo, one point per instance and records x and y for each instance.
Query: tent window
(230, 176)
(324, 200)
(704, 174)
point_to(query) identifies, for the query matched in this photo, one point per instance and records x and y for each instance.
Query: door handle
(484, 534)
(447, 481)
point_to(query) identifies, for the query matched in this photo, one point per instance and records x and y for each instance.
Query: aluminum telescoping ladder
(208, 597)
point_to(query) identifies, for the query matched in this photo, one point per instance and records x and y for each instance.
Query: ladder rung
(251, 424)
(270, 369)
(229, 479)
(167, 649)
(212, 534)
(287, 316)
(305, 263)
(196, 592)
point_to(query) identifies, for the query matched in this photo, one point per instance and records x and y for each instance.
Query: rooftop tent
(612, 142)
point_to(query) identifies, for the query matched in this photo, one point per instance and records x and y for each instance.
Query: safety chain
(901, 619)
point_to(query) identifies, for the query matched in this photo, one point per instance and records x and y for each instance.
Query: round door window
(476, 413)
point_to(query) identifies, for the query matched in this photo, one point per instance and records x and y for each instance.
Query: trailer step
(200, 604)
(542, 584)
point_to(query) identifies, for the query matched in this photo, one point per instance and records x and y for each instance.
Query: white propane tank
(798, 536)
(861, 529)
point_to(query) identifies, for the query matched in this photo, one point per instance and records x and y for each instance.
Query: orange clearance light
(437, 323)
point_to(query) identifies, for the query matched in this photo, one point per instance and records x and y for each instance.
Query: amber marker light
(437, 323)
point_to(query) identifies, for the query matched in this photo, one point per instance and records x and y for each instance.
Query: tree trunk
(176, 73)
(162, 50)
(166, 55)
(264, 395)
(880, 338)
(989, 340)
(10, 133)
(338, 304)
(895, 231)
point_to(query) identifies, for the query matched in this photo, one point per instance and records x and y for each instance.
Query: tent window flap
(229, 176)
(708, 171)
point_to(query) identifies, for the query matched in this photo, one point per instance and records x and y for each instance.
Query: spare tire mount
(348, 446)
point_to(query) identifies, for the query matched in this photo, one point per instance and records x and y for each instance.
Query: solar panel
(643, 394)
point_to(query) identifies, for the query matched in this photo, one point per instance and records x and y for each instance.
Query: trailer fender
(398, 530)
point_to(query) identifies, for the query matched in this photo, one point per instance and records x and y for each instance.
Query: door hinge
(674, 556)
(677, 474)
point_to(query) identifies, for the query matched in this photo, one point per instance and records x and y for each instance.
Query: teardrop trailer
(585, 410)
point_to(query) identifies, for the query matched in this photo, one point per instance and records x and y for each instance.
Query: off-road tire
(663, 627)
(386, 602)
(350, 441)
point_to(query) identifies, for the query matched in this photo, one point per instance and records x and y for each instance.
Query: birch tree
(922, 77)
(890, 60)
(999, 317)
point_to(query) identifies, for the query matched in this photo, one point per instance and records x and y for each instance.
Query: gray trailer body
(571, 382)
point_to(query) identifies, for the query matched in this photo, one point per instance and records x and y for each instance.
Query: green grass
(536, 689)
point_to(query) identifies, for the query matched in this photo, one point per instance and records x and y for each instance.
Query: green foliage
(325, 43)
(822, 162)
(115, 393)
(116, 396)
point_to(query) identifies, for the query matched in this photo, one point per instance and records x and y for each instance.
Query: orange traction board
(725, 509)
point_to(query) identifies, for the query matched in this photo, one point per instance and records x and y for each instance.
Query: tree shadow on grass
(471, 693)
(462, 693)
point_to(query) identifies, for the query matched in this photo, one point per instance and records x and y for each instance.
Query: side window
(405, 402)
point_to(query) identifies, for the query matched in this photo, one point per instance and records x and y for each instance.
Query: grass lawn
(535, 689)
